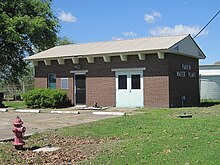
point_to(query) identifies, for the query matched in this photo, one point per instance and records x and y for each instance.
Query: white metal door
(129, 89)
(136, 89)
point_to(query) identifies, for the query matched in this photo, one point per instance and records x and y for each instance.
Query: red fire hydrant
(19, 133)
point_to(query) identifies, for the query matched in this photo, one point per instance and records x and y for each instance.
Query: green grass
(155, 136)
(15, 104)
(210, 100)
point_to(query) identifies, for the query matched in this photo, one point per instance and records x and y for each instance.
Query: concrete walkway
(40, 122)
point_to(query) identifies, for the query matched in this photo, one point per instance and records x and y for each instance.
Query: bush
(46, 98)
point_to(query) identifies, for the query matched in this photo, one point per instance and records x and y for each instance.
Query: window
(64, 83)
(135, 82)
(122, 82)
(52, 81)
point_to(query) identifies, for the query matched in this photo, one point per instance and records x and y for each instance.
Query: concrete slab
(3, 110)
(92, 108)
(28, 110)
(47, 149)
(66, 112)
(40, 122)
(109, 113)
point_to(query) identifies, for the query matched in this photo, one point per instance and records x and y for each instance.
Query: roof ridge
(129, 39)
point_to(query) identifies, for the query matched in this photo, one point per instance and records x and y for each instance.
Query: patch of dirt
(71, 151)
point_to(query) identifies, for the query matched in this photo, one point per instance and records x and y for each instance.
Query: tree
(64, 41)
(26, 82)
(25, 26)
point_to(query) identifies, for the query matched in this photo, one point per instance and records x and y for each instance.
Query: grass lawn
(15, 104)
(156, 136)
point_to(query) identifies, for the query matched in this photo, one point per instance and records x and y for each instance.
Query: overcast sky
(104, 20)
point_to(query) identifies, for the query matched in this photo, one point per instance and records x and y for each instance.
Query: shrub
(46, 98)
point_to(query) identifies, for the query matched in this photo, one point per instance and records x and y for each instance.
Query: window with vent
(64, 83)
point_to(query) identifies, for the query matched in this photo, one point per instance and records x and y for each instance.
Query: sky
(103, 20)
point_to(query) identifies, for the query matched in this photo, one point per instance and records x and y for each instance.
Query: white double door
(129, 89)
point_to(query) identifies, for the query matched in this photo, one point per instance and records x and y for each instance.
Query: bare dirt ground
(72, 151)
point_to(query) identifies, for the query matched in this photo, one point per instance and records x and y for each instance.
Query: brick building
(150, 72)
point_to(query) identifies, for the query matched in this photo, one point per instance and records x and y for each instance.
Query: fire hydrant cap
(18, 121)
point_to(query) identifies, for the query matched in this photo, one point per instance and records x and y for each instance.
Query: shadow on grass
(30, 148)
(209, 103)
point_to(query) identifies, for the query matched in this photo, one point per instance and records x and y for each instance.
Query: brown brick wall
(70, 92)
(156, 91)
(183, 86)
(58, 83)
(100, 80)
(40, 82)
(100, 90)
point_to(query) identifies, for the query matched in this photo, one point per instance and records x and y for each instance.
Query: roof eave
(98, 55)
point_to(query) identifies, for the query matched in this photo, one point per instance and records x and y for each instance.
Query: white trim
(160, 55)
(107, 58)
(127, 69)
(141, 56)
(61, 61)
(47, 62)
(123, 57)
(75, 60)
(90, 59)
(78, 72)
